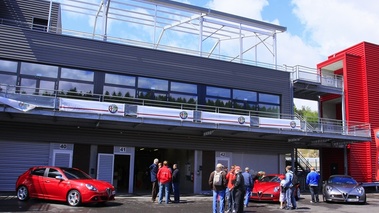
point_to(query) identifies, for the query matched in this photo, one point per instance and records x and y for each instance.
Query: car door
(55, 188)
(36, 188)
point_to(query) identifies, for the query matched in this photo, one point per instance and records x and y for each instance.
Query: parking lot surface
(188, 204)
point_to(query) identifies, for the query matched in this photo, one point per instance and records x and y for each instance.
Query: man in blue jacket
(312, 181)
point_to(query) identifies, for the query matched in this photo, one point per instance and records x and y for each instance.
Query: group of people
(163, 179)
(287, 188)
(233, 185)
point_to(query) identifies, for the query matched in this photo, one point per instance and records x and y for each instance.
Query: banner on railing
(279, 123)
(83, 106)
(219, 118)
(164, 113)
(19, 105)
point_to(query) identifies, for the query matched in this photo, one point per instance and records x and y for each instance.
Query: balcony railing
(50, 100)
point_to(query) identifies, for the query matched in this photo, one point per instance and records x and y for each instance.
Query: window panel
(275, 99)
(46, 87)
(7, 80)
(152, 95)
(218, 92)
(120, 79)
(183, 98)
(74, 88)
(268, 110)
(8, 66)
(244, 95)
(153, 84)
(39, 70)
(119, 91)
(28, 86)
(77, 74)
(219, 102)
(183, 87)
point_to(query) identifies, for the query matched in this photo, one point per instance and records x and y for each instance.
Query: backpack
(217, 178)
(295, 181)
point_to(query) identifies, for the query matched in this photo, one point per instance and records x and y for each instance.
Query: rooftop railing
(298, 72)
(49, 99)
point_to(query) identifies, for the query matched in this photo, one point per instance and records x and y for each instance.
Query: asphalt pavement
(188, 204)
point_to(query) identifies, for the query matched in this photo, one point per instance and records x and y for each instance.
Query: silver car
(343, 188)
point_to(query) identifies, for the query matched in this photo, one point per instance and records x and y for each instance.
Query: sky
(315, 29)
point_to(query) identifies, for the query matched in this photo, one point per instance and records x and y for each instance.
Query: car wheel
(22, 193)
(73, 198)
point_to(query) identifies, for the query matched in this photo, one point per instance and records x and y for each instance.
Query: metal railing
(49, 99)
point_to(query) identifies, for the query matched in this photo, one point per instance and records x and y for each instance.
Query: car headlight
(91, 187)
(329, 188)
(276, 189)
(360, 190)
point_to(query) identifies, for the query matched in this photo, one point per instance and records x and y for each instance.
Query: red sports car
(63, 184)
(267, 188)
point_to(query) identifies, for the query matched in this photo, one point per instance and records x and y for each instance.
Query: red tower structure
(359, 66)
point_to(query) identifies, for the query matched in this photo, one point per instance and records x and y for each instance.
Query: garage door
(17, 157)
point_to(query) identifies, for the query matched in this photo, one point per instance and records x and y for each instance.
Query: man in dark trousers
(239, 189)
(175, 183)
(153, 177)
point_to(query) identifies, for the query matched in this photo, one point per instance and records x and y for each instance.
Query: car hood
(265, 186)
(344, 187)
(99, 184)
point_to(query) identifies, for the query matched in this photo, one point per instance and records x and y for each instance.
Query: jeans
(175, 188)
(314, 193)
(166, 188)
(230, 199)
(290, 198)
(247, 195)
(218, 195)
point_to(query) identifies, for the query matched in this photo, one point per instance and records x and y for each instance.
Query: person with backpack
(291, 181)
(217, 182)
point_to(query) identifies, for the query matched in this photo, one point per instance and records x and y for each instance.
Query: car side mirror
(59, 177)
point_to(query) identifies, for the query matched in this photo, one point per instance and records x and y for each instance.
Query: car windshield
(342, 180)
(270, 179)
(73, 174)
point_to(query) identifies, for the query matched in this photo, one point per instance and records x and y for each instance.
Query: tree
(307, 114)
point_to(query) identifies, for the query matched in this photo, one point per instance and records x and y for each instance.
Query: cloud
(334, 25)
(246, 8)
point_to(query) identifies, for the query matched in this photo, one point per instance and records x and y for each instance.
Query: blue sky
(315, 29)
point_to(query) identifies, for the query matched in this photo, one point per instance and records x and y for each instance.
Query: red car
(63, 184)
(267, 188)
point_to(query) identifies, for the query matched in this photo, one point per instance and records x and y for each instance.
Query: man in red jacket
(164, 178)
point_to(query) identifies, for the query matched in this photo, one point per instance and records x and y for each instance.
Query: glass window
(73, 88)
(28, 86)
(244, 95)
(7, 80)
(53, 173)
(219, 102)
(8, 66)
(191, 99)
(119, 91)
(152, 95)
(245, 105)
(218, 92)
(153, 84)
(77, 74)
(46, 87)
(268, 110)
(269, 98)
(38, 172)
(39, 70)
(183, 87)
(120, 79)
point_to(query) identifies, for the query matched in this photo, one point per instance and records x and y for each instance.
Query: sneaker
(311, 202)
